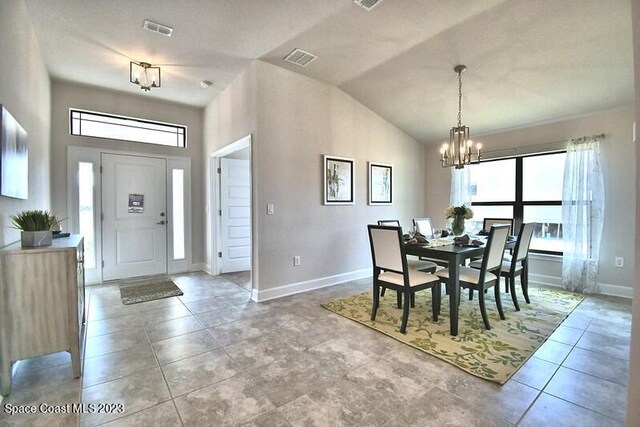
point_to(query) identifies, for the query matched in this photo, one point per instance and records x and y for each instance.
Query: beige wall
(68, 95)
(300, 120)
(25, 92)
(633, 390)
(230, 117)
(618, 166)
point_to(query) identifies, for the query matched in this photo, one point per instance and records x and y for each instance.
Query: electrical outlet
(296, 260)
(619, 261)
(270, 209)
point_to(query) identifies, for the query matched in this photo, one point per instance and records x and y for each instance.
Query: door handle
(161, 222)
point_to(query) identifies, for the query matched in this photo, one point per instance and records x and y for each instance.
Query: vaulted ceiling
(528, 61)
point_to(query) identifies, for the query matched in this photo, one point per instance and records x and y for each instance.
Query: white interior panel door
(235, 205)
(134, 226)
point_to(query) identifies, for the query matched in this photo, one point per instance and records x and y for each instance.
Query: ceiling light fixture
(145, 75)
(457, 152)
(205, 84)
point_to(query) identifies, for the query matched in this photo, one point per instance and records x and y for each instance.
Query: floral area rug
(494, 355)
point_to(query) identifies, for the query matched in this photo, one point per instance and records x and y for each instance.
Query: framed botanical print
(380, 184)
(338, 181)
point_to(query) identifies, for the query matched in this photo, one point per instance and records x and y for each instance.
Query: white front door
(134, 211)
(235, 207)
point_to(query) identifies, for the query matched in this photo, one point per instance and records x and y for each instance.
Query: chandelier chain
(459, 98)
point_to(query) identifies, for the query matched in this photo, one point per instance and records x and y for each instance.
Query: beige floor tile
(187, 375)
(230, 402)
(162, 415)
(118, 364)
(173, 328)
(135, 392)
(551, 411)
(180, 347)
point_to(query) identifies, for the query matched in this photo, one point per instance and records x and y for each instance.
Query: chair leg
(435, 305)
(506, 284)
(524, 282)
(496, 289)
(383, 291)
(470, 294)
(399, 299)
(376, 300)
(405, 313)
(483, 310)
(413, 300)
(512, 287)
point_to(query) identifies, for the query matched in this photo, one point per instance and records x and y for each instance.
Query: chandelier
(457, 152)
(144, 75)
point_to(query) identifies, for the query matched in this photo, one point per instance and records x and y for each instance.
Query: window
(102, 125)
(527, 189)
(85, 212)
(178, 213)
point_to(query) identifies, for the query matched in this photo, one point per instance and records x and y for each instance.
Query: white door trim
(76, 154)
(214, 180)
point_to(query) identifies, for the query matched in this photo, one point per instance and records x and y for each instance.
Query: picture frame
(14, 157)
(338, 180)
(380, 183)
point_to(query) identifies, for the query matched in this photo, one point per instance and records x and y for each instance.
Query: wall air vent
(367, 4)
(300, 57)
(154, 27)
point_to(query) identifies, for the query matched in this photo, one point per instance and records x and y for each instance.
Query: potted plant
(37, 227)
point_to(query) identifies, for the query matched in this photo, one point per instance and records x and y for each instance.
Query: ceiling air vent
(154, 27)
(300, 57)
(367, 4)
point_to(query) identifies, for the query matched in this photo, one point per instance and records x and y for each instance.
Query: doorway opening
(231, 196)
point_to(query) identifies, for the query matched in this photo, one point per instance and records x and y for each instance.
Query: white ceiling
(528, 61)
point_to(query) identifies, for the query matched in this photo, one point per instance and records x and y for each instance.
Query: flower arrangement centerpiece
(458, 214)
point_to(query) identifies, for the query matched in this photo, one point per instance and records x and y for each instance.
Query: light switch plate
(270, 209)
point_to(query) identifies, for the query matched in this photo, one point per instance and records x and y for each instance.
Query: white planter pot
(34, 239)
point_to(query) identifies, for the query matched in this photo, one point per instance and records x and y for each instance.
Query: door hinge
(102, 263)
(100, 169)
(220, 212)
(219, 254)
(101, 216)
(219, 170)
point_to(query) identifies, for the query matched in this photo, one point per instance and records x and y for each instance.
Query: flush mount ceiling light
(145, 75)
(457, 152)
(205, 84)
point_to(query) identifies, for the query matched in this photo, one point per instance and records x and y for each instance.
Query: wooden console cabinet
(42, 307)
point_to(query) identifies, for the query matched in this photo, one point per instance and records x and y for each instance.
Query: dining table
(455, 255)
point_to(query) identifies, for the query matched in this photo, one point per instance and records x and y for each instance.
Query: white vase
(34, 239)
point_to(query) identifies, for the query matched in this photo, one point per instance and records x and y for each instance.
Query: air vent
(300, 57)
(154, 27)
(367, 4)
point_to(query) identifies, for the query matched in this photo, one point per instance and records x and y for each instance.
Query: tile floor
(213, 357)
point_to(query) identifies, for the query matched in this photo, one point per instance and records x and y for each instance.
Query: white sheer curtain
(460, 187)
(582, 215)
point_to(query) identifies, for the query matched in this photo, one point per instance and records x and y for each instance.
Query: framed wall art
(338, 181)
(380, 184)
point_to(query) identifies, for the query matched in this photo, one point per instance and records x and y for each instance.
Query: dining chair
(488, 222)
(489, 274)
(424, 227)
(389, 222)
(516, 264)
(391, 270)
(415, 263)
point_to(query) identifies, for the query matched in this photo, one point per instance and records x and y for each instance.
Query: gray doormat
(148, 289)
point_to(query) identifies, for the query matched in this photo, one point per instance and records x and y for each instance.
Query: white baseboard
(616, 290)
(605, 288)
(308, 285)
(201, 266)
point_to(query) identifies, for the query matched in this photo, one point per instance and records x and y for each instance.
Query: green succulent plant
(34, 220)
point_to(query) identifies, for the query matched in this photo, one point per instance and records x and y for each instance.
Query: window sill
(546, 257)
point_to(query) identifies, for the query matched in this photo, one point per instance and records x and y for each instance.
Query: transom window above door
(123, 128)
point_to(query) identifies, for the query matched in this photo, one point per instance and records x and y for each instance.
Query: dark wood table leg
(454, 294)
